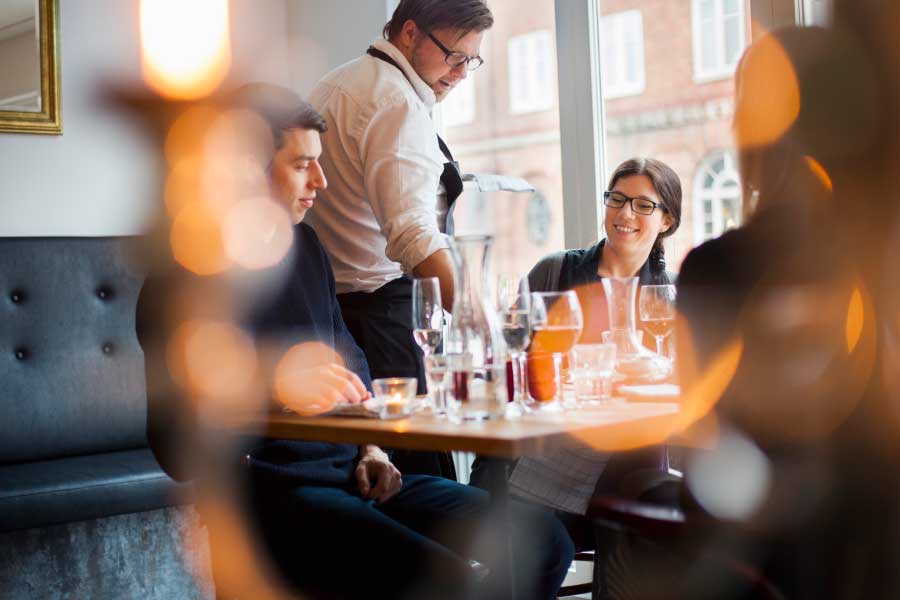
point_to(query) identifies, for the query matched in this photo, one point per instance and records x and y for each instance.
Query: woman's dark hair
(282, 109)
(428, 15)
(668, 188)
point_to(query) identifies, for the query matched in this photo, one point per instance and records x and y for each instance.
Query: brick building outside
(668, 90)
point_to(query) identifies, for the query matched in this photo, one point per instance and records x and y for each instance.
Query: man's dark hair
(282, 109)
(428, 15)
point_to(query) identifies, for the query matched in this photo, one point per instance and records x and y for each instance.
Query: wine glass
(556, 324)
(657, 312)
(427, 314)
(428, 331)
(513, 308)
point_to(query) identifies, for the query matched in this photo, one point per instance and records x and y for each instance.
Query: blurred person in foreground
(325, 510)
(384, 218)
(778, 332)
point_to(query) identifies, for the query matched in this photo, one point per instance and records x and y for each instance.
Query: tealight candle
(394, 396)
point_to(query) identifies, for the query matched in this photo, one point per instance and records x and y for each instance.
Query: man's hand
(378, 479)
(316, 390)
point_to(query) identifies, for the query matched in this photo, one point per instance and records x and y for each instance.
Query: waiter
(380, 220)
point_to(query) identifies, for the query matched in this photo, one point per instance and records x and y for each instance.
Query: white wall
(100, 177)
(328, 33)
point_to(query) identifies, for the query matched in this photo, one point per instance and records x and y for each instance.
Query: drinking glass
(427, 314)
(513, 308)
(556, 323)
(437, 369)
(657, 312)
(593, 366)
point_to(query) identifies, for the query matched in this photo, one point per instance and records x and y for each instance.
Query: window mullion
(581, 117)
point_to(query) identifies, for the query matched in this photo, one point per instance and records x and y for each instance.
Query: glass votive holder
(394, 396)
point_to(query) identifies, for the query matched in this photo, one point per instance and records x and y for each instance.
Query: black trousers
(330, 543)
(381, 324)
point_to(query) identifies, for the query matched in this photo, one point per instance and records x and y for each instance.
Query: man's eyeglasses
(455, 59)
(641, 206)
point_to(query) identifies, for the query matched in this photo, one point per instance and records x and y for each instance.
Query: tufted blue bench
(85, 509)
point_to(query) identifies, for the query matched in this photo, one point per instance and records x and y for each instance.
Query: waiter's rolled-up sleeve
(402, 167)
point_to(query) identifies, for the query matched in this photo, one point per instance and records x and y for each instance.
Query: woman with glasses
(643, 207)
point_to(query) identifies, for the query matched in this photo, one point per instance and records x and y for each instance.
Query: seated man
(340, 520)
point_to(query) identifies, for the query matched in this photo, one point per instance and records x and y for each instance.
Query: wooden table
(529, 435)
(507, 438)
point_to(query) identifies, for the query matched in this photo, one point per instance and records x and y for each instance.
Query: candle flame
(186, 49)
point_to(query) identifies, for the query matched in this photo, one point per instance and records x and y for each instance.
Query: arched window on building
(717, 196)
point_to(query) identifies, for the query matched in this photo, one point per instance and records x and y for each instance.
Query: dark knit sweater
(304, 309)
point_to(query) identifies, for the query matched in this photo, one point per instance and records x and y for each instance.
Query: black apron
(381, 323)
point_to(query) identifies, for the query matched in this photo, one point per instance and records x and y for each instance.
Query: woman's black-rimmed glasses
(641, 206)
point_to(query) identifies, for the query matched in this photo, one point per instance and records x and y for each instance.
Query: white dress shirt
(378, 218)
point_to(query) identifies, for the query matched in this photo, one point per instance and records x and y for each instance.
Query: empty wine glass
(513, 310)
(556, 323)
(428, 330)
(427, 314)
(657, 312)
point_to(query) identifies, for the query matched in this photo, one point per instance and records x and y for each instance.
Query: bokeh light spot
(186, 135)
(196, 239)
(296, 385)
(212, 359)
(186, 50)
(819, 171)
(257, 232)
(732, 481)
(767, 96)
(855, 320)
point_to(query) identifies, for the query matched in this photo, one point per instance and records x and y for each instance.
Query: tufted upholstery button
(107, 348)
(17, 296)
(21, 353)
(104, 293)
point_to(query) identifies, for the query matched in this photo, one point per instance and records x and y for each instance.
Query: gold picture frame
(49, 119)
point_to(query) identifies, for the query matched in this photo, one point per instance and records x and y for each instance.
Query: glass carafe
(474, 344)
(621, 293)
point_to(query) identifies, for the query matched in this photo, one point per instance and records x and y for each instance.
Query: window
(674, 118)
(719, 33)
(717, 196)
(816, 12)
(518, 139)
(459, 107)
(622, 59)
(531, 72)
